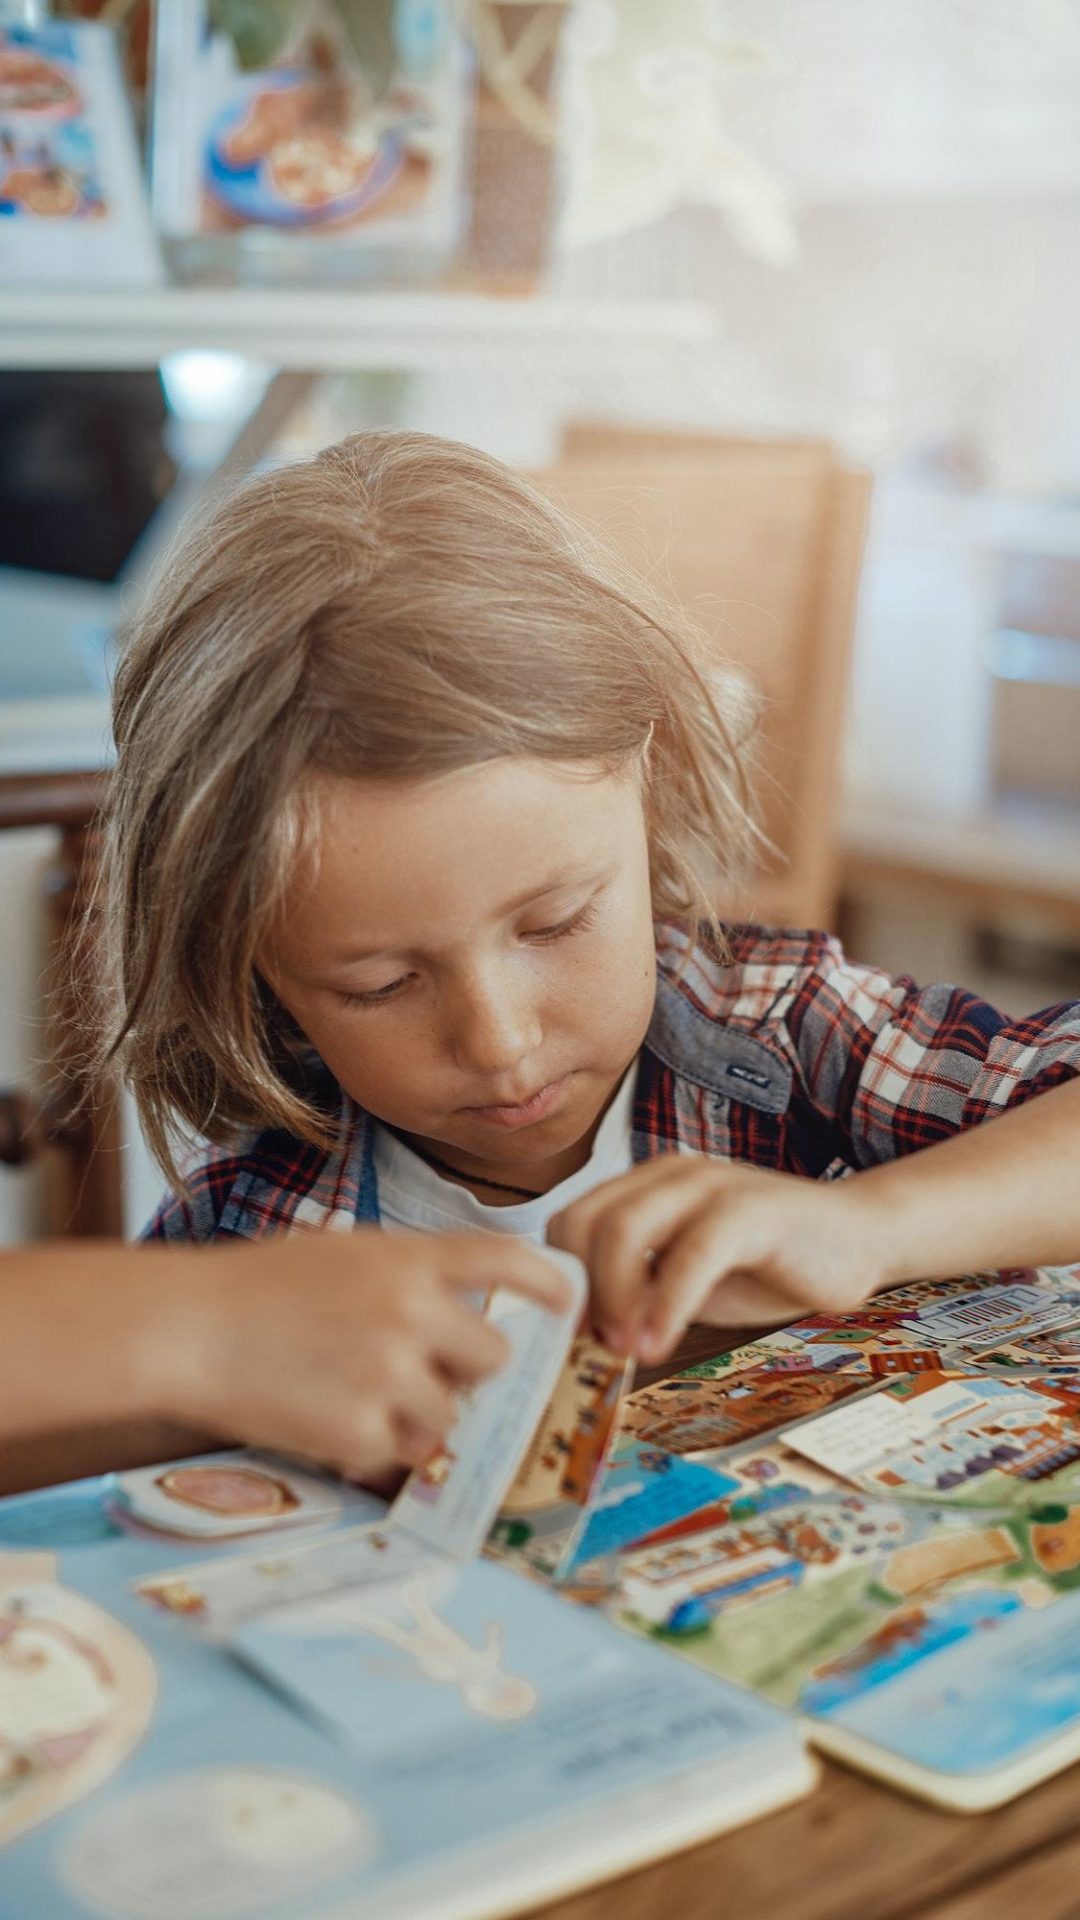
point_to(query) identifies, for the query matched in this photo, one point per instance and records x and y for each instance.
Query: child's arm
(685, 1238)
(889, 1080)
(348, 1348)
(78, 1333)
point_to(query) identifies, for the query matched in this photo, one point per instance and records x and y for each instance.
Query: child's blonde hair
(395, 608)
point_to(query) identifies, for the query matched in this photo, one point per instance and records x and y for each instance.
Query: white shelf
(1031, 846)
(916, 513)
(333, 331)
(54, 736)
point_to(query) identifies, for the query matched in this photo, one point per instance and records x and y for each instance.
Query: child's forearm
(88, 1333)
(1003, 1194)
(103, 1446)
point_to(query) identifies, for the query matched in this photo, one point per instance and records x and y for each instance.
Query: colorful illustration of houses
(750, 1577)
(574, 1434)
(905, 1360)
(722, 1412)
(680, 1586)
(990, 1425)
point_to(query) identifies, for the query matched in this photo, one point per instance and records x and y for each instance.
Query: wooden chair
(763, 541)
(74, 1129)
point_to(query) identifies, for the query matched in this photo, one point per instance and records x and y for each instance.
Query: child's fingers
(467, 1347)
(426, 1397)
(698, 1259)
(572, 1229)
(415, 1443)
(625, 1249)
(485, 1260)
(341, 1424)
(406, 1429)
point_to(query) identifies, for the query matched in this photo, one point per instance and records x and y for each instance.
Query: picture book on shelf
(73, 210)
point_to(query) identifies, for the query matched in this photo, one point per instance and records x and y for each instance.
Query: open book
(895, 1553)
(230, 1687)
(870, 1519)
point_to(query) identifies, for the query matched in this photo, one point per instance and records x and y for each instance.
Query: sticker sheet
(372, 1726)
(692, 1415)
(217, 1596)
(452, 1500)
(974, 1439)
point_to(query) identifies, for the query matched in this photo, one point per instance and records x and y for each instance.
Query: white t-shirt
(412, 1194)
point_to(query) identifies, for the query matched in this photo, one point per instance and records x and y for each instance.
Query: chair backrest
(762, 540)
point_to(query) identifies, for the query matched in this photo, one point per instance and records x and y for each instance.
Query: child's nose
(492, 1032)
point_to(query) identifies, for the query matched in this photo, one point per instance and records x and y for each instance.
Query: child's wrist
(889, 1222)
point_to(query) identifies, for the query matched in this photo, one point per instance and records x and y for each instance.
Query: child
(420, 811)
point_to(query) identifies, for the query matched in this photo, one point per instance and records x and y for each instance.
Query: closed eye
(577, 923)
(539, 936)
(376, 996)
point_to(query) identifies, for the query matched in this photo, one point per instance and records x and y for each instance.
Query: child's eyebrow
(530, 897)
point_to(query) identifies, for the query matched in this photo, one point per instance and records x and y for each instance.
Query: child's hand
(684, 1238)
(350, 1348)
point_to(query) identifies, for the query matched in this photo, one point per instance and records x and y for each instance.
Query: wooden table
(857, 1851)
(853, 1850)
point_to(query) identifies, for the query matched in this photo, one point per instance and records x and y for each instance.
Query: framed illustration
(305, 142)
(72, 205)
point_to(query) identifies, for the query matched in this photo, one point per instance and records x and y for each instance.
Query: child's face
(474, 958)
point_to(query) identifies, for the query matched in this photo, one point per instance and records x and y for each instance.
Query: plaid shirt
(790, 1057)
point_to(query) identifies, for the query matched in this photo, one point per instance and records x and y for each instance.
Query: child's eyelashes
(577, 923)
(375, 997)
(539, 936)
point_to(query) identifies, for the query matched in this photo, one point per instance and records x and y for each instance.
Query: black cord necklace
(474, 1180)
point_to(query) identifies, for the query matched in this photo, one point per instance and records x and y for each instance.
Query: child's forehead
(476, 783)
(396, 864)
(515, 807)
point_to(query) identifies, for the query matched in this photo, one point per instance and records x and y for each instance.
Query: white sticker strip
(451, 1502)
(856, 1440)
(217, 1596)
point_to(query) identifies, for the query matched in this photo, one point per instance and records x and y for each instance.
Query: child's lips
(527, 1112)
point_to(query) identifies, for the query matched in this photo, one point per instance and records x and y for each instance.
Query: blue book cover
(229, 1689)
